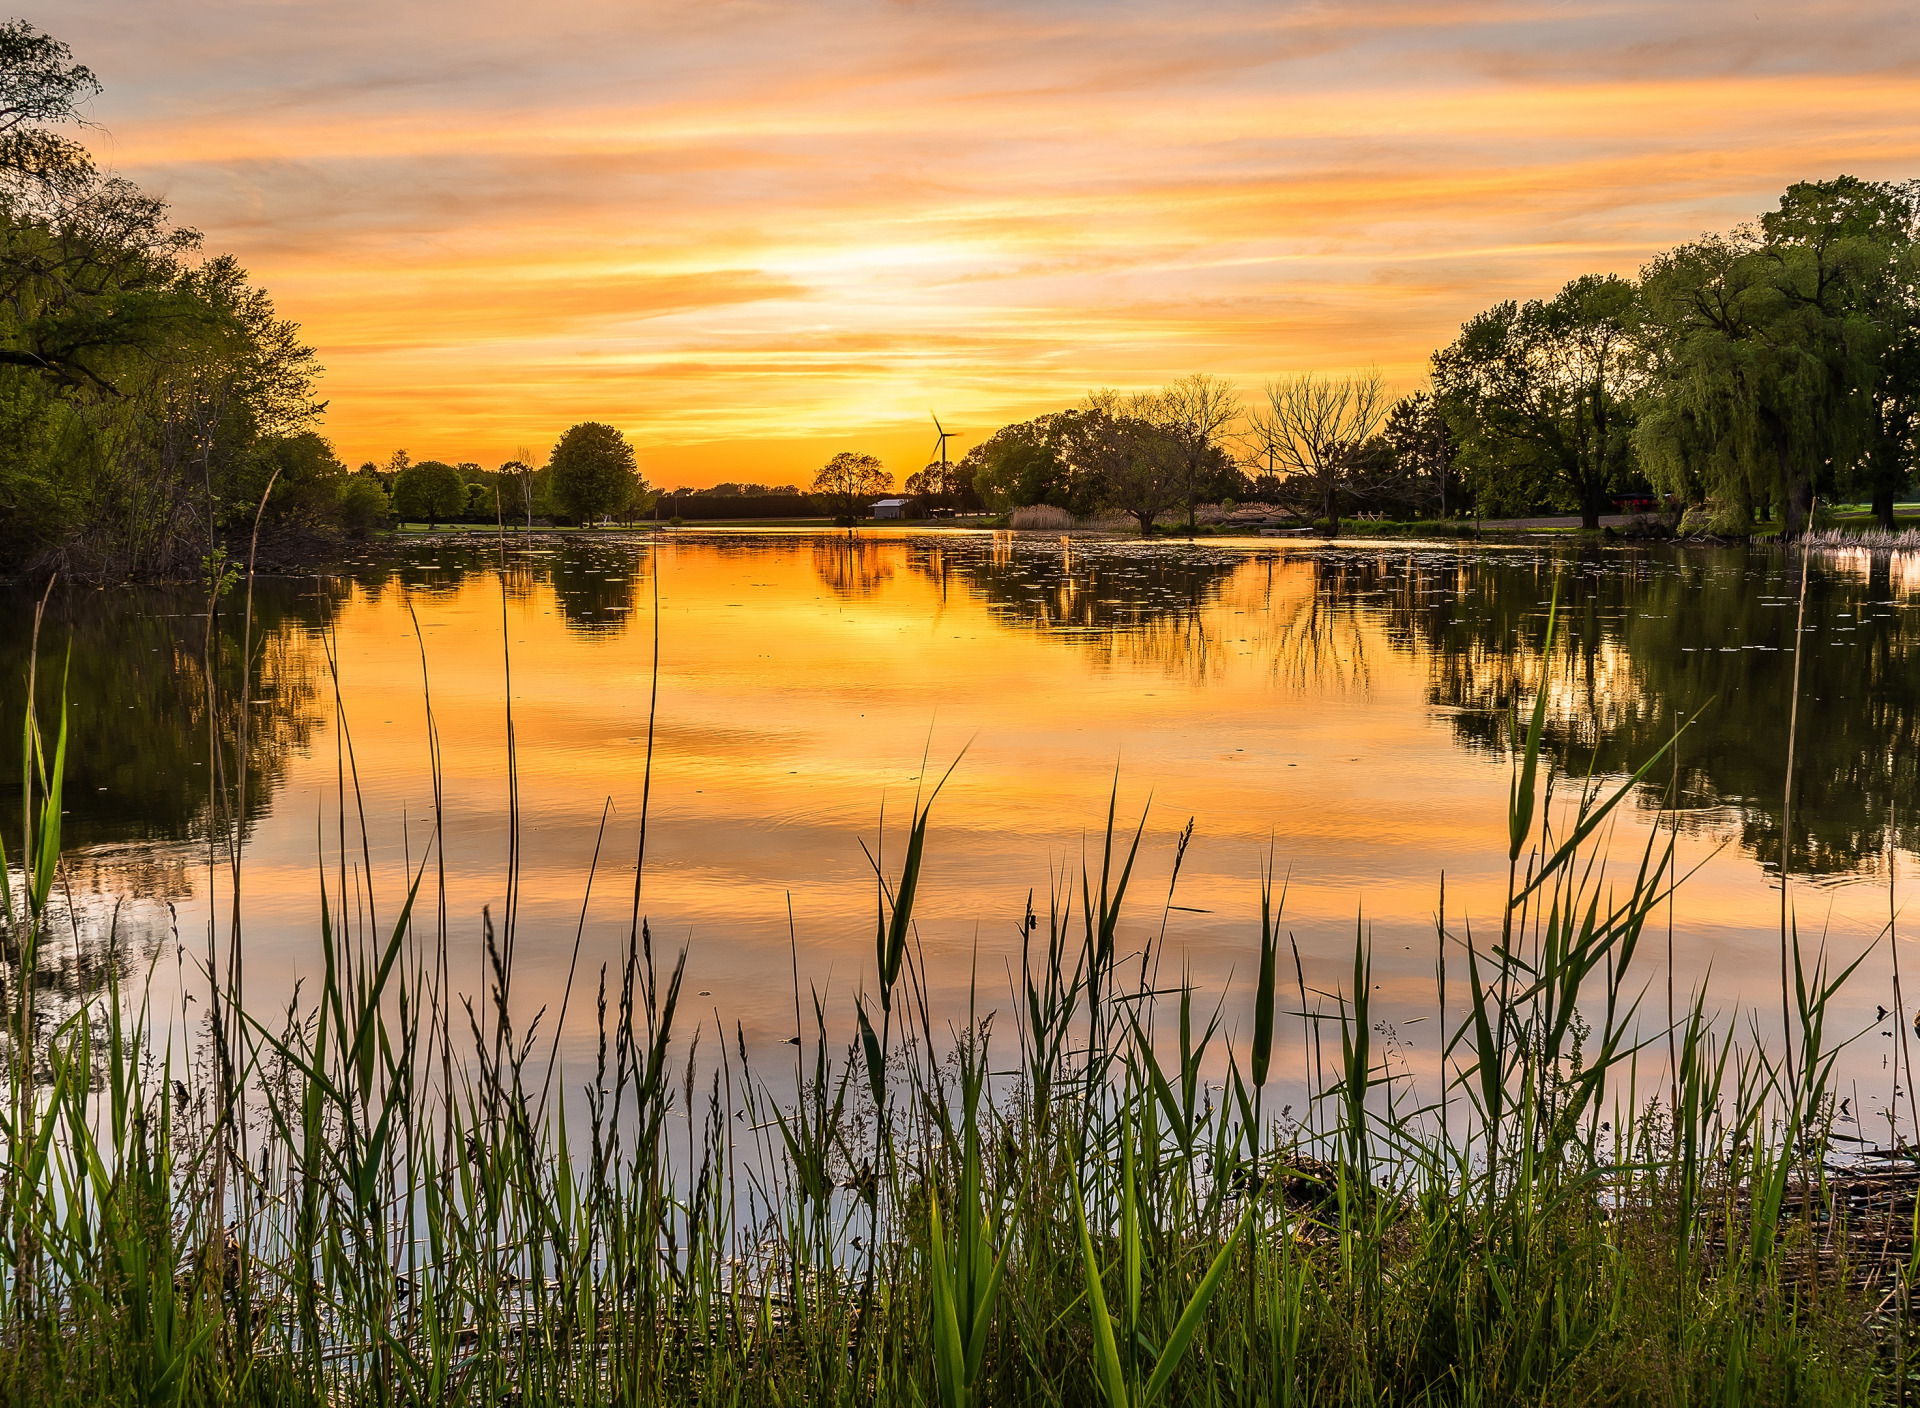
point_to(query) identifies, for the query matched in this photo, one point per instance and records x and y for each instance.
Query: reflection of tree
(855, 566)
(1646, 638)
(134, 663)
(1067, 587)
(594, 585)
(1124, 604)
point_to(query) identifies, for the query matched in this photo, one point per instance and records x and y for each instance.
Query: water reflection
(134, 667)
(1647, 637)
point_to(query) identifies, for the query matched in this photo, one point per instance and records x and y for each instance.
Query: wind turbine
(942, 435)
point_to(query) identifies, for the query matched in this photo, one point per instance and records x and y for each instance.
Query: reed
(1041, 517)
(934, 1211)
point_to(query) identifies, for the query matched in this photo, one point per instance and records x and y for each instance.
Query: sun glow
(752, 235)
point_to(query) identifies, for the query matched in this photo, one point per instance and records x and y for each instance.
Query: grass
(375, 1196)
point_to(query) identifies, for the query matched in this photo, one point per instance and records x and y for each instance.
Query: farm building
(894, 508)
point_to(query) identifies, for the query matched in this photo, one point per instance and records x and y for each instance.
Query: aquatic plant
(376, 1195)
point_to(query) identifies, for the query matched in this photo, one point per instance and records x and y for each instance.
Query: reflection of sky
(747, 231)
(791, 711)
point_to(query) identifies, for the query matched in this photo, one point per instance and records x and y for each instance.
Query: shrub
(362, 504)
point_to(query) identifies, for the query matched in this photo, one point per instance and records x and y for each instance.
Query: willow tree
(1768, 350)
(1540, 394)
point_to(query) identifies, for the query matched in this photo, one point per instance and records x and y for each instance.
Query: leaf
(1189, 1323)
(1106, 1353)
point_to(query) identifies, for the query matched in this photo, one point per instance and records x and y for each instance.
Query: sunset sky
(750, 234)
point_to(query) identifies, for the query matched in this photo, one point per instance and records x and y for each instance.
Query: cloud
(769, 226)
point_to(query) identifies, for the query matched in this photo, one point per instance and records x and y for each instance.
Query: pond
(1344, 708)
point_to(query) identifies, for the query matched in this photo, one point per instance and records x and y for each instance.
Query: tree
(515, 478)
(1192, 414)
(144, 390)
(1546, 388)
(1114, 443)
(941, 479)
(1312, 430)
(594, 473)
(306, 476)
(429, 491)
(1017, 465)
(848, 479)
(362, 504)
(1421, 450)
(1771, 351)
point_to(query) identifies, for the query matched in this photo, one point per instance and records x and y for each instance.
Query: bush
(363, 505)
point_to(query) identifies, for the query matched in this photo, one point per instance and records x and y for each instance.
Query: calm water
(1344, 705)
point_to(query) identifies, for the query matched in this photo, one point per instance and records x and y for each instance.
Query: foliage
(849, 479)
(1769, 349)
(592, 473)
(1419, 453)
(430, 492)
(1089, 1209)
(1546, 389)
(1192, 414)
(142, 388)
(363, 505)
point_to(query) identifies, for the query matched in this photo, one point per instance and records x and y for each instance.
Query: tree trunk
(1797, 510)
(1330, 506)
(1589, 514)
(1146, 524)
(1883, 509)
(1796, 499)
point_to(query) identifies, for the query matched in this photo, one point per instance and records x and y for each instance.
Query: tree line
(1738, 378)
(591, 475)
(154, 406)
(149, 393)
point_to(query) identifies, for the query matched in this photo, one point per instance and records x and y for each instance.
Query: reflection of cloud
(734, 221)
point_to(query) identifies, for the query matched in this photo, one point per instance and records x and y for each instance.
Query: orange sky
(752, 233)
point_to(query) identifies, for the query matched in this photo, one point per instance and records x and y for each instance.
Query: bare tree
(1312, 430)
(1192, 413)
(519, 472)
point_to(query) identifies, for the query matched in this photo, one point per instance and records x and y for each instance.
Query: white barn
(892, 508)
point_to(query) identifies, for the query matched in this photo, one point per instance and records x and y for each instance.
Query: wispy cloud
(748, 231)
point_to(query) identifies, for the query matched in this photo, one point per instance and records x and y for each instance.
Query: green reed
(940, 1213)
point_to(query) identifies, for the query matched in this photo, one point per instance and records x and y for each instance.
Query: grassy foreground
(374, 1196)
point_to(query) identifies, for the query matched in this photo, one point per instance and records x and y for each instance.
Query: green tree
(1546, 389)
(1017, 465)
(1114, 442)
(429, 492)
(306, 477)
(1771, 351)
(1421, 449)
(362, 505)
(515, 479)
(594, 472)
(848, 479)
(140, 388)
